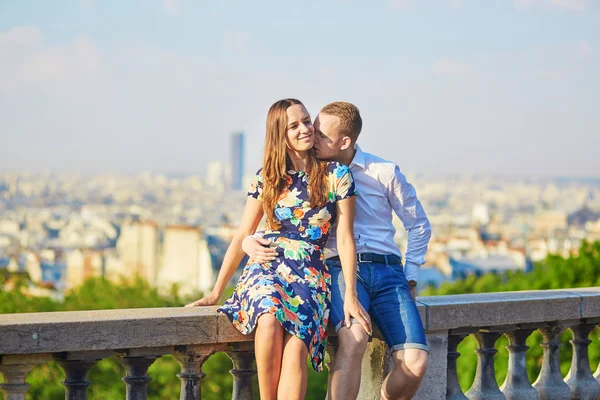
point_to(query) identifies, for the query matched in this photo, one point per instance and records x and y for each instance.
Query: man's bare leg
(344, 376)
(404, 380)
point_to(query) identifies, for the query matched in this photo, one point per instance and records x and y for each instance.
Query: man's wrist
(411, 271)
(412, 284)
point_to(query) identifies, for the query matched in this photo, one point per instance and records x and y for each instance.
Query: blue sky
(444, 86)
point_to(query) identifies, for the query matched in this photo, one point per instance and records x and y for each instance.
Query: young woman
(285, 297)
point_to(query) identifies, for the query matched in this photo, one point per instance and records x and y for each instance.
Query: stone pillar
(15, 369)
(76, 366)
(485, 386)
(517, 385)
(580, 379)
(433, 386)
(14, 386)
(453, 389)
(375, 366)
(191, 358)
(243, 371)
(549, 384)
(76, 382)
(137, 375)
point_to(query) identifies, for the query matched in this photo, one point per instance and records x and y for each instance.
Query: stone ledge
(502, 308)
(157, 327)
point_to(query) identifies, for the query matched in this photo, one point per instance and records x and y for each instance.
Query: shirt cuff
(411, 271)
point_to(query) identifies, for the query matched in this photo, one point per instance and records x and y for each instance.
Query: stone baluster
(191, 358)
(453, 389)
(14, 386)
(243, 370)
(580, 379)
(485, 386)
(15, 369)
(517, 385)
(136, 363)
(597, 373)
(550, 384)
(76, 366)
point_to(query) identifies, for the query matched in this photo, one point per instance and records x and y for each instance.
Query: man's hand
(209, 300)
(353, 309)
(258, 249)
(413, 292)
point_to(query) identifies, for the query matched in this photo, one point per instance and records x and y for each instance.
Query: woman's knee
(268, 323)
(294, 345)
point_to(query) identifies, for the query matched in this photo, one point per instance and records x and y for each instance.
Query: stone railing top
(160, 327)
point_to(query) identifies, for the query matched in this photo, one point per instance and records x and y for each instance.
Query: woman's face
(300, 130)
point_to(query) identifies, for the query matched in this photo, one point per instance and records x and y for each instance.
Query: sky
(505, 87)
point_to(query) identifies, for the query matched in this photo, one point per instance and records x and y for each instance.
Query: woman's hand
(353, 309)
(255, 248)
(209, 300)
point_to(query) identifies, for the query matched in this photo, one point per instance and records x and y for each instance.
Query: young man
(385, 288)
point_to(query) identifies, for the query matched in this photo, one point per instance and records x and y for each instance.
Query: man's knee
(353, 341)
(414, 361)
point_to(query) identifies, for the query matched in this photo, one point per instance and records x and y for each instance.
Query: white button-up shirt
(381, 189)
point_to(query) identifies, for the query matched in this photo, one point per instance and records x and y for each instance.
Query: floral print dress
(295, 288)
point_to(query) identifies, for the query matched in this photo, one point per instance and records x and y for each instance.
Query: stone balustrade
(77, 340)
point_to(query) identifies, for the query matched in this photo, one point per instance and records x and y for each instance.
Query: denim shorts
(384, 292)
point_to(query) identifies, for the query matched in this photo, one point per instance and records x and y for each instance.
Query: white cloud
(455, 3)
(401, 4)
(172, 7)
(551, 75)
(87, 4)
(446, 66)
(19, 37)
(524, 4)
(583, 48)
(235, 40)
(30, 64)
(572, 5)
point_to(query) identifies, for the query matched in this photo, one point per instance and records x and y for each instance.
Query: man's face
(328, 141)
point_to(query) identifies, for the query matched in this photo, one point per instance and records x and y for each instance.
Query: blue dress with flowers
(295, 288)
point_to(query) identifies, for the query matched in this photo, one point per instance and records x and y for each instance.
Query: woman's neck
(299, 160)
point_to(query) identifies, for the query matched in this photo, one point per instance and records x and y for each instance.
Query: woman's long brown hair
(277, 162)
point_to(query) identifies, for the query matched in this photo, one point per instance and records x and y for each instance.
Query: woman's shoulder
(338, 169)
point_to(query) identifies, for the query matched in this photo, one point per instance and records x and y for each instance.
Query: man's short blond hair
(349, 115)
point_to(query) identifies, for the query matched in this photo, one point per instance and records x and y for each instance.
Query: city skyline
(444, 87)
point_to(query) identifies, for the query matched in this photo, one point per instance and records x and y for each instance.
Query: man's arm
(403, 199)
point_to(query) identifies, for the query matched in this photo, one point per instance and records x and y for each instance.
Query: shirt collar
(359, 157)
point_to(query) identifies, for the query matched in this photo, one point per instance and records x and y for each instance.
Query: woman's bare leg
(293, 379)
(268, 350)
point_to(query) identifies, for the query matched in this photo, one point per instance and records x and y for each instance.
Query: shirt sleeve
(406, 205)
(344, 182)
(255, 189)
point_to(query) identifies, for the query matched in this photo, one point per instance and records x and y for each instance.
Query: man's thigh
(394, 309)
(338, 291)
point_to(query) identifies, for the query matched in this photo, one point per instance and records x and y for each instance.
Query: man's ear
(346, 142)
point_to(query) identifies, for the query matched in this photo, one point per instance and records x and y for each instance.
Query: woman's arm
(347, 253)
(253, 213)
